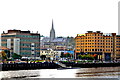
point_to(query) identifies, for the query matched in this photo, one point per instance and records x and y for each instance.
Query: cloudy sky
(71, 17)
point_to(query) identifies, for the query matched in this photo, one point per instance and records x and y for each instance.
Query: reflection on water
(101, 72)
(106, 72)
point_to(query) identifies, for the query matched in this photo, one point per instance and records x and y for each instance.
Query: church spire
(52, 24)
(52, 32)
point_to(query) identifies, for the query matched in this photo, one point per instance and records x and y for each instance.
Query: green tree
(7, 53)
(16, 56)
(62, 55)
(80, 56)
(43, 57)
(86, 56)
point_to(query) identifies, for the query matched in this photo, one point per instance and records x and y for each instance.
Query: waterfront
(100, 72)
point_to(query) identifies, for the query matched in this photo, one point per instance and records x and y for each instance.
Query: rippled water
(101, 72)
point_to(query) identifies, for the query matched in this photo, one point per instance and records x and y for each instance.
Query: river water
(100, 72)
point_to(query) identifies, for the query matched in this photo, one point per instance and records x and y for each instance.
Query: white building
(49, 53)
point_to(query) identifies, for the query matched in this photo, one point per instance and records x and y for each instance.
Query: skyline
(76, 17)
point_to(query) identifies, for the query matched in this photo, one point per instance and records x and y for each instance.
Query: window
(32, 46)
(95, 49)
(78, 49)
(100, 49)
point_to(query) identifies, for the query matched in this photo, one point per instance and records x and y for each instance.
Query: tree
(86, 56)
(7, 53)
(62, 54)
(68, 55)
(16, 56)
(3, 55)
(80, 56)
(43, 57)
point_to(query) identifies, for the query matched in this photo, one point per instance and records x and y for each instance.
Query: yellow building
(118, 47)
(104, 45)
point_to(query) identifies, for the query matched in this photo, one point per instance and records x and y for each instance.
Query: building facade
(23, 43)
(54, 54)
(59, 43)
(50, 54)
(118, 46)
(106, 46)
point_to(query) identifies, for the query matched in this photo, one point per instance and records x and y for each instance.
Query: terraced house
(24, 43)
(105, 45)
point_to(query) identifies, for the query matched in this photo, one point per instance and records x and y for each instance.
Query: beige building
(49, 53)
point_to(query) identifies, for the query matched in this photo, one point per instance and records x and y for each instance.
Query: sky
(70, 17)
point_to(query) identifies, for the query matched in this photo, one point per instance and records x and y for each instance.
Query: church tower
(52, 33)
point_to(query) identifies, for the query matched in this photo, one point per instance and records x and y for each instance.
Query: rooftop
(20, 31)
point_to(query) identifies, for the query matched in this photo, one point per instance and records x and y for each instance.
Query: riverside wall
(52, 65)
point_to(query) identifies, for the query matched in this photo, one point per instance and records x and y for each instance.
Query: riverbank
(52, 65)
(89, 65)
